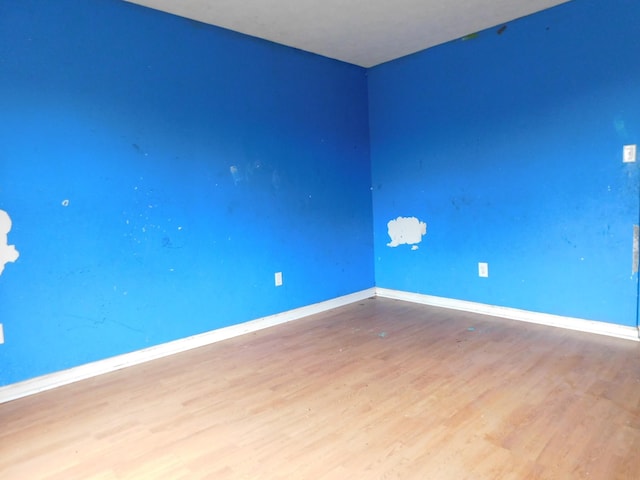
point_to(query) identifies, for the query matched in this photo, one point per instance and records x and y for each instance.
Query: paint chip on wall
(8, 253)
(406, 231)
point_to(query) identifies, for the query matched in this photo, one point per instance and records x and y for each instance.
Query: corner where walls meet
(497, 165)
(160, 175)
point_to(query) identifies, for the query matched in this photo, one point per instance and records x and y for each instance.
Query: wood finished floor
(379, 389)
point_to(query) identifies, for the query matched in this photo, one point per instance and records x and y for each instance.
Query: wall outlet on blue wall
(278, 279)
(1, 334)
(483, 269)
(629, 153)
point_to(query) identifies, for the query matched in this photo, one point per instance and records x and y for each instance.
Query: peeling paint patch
(8, 253)
(406, 231)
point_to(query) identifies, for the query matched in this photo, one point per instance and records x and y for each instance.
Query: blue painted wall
(158, 172)
(509, 146)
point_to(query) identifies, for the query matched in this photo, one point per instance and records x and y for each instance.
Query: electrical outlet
(483, 269)
(1, 334)
(629, 153)
(278, 279)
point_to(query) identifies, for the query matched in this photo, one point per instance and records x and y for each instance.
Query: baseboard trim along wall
(82, 372)
(590, 326)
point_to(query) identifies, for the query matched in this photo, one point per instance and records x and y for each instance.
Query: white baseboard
(590, 326)
(82, 372)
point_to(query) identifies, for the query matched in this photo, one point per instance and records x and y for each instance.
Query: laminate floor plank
(379, 389)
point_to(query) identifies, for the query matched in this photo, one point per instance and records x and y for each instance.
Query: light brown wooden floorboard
(378, 389)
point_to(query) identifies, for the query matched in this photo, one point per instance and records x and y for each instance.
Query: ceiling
(362, 32)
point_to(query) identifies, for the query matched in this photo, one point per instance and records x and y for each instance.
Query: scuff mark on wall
(620, 127)
(471, 36)
(235, 173)
(406, 231)
(8, 253)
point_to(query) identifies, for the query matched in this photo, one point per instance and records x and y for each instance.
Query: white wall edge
(589, 326)
(93, 369)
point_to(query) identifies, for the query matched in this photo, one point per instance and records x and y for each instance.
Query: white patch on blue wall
(8, 253)
(406, 231)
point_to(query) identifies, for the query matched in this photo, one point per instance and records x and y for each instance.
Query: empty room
(319, 240)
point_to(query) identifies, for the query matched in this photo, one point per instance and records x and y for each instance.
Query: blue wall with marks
(508, 145)
(159, 171)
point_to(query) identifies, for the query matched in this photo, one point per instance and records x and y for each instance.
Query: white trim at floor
(590, 326)
(82, 372)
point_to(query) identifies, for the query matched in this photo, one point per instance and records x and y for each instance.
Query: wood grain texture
(378, 389)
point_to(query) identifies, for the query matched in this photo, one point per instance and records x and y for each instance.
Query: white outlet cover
(483, 269)
(629, 153)
(278, 279)
(1, 334)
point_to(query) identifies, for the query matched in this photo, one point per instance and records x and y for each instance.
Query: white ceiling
(362, 32)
